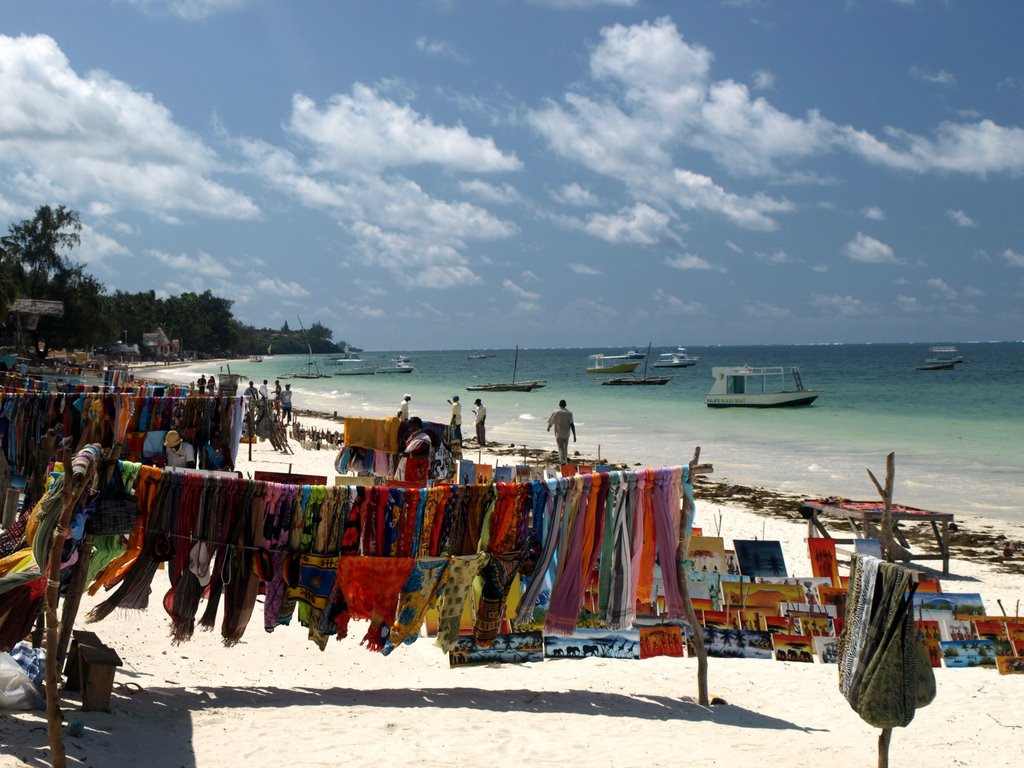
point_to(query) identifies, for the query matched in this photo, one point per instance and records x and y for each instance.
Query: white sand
(277, 700)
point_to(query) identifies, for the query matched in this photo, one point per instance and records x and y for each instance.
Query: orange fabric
(646, 584)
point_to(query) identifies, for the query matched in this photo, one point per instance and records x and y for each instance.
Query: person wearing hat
(177, 452)
(481, 415)
(456, 421)
(403, 407)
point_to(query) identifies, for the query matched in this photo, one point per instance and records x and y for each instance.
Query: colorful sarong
(371, 586)
(462, 571)
(419, 593)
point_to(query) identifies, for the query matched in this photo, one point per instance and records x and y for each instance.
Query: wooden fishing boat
(510, 386)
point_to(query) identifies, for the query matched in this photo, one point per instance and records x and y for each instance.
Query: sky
(459, 174)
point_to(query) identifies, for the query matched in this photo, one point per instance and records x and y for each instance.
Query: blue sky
(484, 173)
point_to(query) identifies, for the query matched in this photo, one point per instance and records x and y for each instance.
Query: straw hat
(173, 439)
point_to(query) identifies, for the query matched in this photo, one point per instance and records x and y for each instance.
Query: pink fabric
(567, 591)
(666, 525)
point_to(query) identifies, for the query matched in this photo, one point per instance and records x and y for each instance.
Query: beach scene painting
(760, 558)
(968, 653)
(732, 643)
(513, 648)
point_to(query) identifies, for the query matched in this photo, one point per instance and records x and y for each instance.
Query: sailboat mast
(515, 363)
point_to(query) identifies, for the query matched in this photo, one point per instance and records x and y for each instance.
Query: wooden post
(691, 615)
(74, 486)
(887, 554)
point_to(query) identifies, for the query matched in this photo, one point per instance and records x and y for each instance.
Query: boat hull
(944, 366)
(616, 368)
(673, 364)
(634, 380)
(763, 400)
(519, 386)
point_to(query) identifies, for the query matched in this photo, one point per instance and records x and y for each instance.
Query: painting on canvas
(742, 595)
(968, 653)
(793, 648)
(760, 558)
(827, 649)
(584, 643)
(737, 643)
(507, 649)
(706, 554)
(665, 640)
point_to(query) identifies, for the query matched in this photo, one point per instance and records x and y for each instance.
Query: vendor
(414, 464)
(177, 452)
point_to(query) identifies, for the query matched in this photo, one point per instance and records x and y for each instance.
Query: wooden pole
(71, 495)
(888, 537)
(691, 615)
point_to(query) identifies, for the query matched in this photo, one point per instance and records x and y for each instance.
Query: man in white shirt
(264, 390)
(481, 416)
(178, 453)
(456, 421)
(403, 408)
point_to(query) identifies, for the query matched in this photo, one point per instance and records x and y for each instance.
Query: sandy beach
(276, 698)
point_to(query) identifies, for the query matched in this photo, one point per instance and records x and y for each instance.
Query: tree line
(35, 264)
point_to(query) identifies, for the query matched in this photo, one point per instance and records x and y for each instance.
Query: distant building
(156, 344)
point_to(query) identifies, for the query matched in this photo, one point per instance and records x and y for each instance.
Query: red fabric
(372, 586)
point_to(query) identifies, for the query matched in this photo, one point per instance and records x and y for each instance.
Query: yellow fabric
(378, 434)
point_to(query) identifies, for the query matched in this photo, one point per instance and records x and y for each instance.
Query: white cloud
(202, 265)
(363, 131)
(776, 257)
(677, 306)
(908, 304)
(95, 247)
(942, 77)
(690, 261)
(275, 287)
(733, 247)
(765, 311)
(190, 10)
(960, 218)
(575, 195)
(976, 149)
(583, 269)
(93, 141)
(868, 250)
(1013, 258)
(848, 306)
(697, 192)
(874, 213)
(518, 291)
(763, 80)
(941, 288)
(500, 194)
(441, 48)
(640, 224)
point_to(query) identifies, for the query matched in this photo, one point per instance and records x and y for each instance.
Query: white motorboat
(746, 387)
(943, 359)
(677, 359)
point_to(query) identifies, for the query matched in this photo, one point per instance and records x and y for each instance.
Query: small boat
(400, 360)
(746, 387)
(255, 359)
(510, 386)
(944, 359)
(357, 370)
(611, 364)
(634, 355)
(399, 367)
(677, 359)
(312, 369)
(478, 356)
(633, 380)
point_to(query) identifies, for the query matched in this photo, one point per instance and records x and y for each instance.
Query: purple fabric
(666, 530)
(567, 591)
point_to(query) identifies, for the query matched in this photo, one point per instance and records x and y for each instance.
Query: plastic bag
(16, 688)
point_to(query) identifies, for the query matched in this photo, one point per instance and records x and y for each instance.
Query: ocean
(958, 435)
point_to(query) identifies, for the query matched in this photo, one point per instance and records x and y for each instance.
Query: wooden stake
(74, 487)
(691, 615)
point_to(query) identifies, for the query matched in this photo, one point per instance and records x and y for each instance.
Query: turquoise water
(958, 435)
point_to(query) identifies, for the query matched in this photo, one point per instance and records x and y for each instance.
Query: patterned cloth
(371, 586)
(426, 582)
(462, 571)
(498, 574)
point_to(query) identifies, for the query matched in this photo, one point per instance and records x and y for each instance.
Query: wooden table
(864, 518)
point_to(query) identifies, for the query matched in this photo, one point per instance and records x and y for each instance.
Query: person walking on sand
(564, 426)
(264, 392)
(403, 408)
(211, 385)
(481, 416)
(286, 403)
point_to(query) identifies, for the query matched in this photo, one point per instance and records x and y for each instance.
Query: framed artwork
(737, 643)
(823, 559)
(706, 554)
(826, 649)
(968, 653)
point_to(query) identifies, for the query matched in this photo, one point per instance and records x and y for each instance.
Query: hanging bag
(116, 510)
